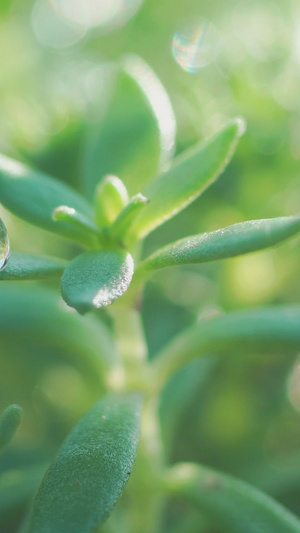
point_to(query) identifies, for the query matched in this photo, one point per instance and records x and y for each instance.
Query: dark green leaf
(227, 242)
(28, 266)
(9, 423)
(230, 503)
(265, 329)
(190, 175)
(33, 196)
(95, 279)
(90, 472)
(135, 134)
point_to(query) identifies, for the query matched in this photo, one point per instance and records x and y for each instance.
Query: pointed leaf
(265, 329)
(95, 279)
(91, 469)
(190, 175)
(227, 242)
(135, 134)
(126, 217)
(230, 503)
(110, 198)
(33, 196)
(28, 266)
(9, 423)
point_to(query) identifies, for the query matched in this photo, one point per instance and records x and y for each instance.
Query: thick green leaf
(227, 242)
(33, 196)
(231, 504)
(110, 198)
(265, 329)
(90, 472)
(190, 175)
(95, 279)
(29, 266)
(126, 217)
(9, 423)
(136, 132)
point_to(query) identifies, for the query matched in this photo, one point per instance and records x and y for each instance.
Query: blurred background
(58, 86)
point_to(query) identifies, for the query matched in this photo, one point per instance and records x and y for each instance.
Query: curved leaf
(232, 504)
(231, 241)
(95, 279)
(91, 469)
(190, 175)
(265, 329)
(9, 423)
(135, 134)
(33, 196)
(28, 266)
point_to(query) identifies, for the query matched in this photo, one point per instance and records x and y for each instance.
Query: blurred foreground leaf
(231, 504)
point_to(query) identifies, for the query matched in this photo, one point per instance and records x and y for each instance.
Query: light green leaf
(135, 134)
(125, 219)
(33, 196)
(110, 198)
(91, 469)
(264, 329)
(234, 240)
(95, 279)
(9, 423)
(190, 175)
(230, 503)
(28, 266)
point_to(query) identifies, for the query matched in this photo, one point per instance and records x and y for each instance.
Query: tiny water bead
(4, 245)
(196, 46)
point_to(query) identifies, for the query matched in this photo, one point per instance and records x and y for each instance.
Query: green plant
(96, 460)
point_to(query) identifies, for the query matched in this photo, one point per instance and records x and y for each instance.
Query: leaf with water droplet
(95, 279)
(91, 469)
(135, 135)
(29, 266)
(270, 329)
(4, 246)
(234, 240)
(9, 423)
(190, 175)
(230, 503)
(33, 196)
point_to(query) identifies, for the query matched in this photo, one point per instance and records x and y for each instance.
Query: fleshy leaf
(9, 423)
(110, 197)
(95, 279)
(28, 266)
(135, 135)
(125, 219)
(91, 469)
(231, 241)
(33, 196)
(230, 503)
(264, 329)
(190, 175)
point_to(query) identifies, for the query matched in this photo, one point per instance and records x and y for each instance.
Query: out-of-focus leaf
(33, 196)
(39, 317)
(29, 266)
(265, 329)
(90, 472)
(18, 486)
(95, 279)
(135, 135)
(230, 503)
(190, 175)
(9, 423)
(234, 240)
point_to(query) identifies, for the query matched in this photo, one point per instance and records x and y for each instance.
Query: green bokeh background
(236, 413)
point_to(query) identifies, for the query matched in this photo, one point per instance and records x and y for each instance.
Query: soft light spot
(195, 46)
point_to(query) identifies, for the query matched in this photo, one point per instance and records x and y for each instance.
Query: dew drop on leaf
(195, 46)
(4, 245)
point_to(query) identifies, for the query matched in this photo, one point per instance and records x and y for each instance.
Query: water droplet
(196, 46)
(4, 245)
